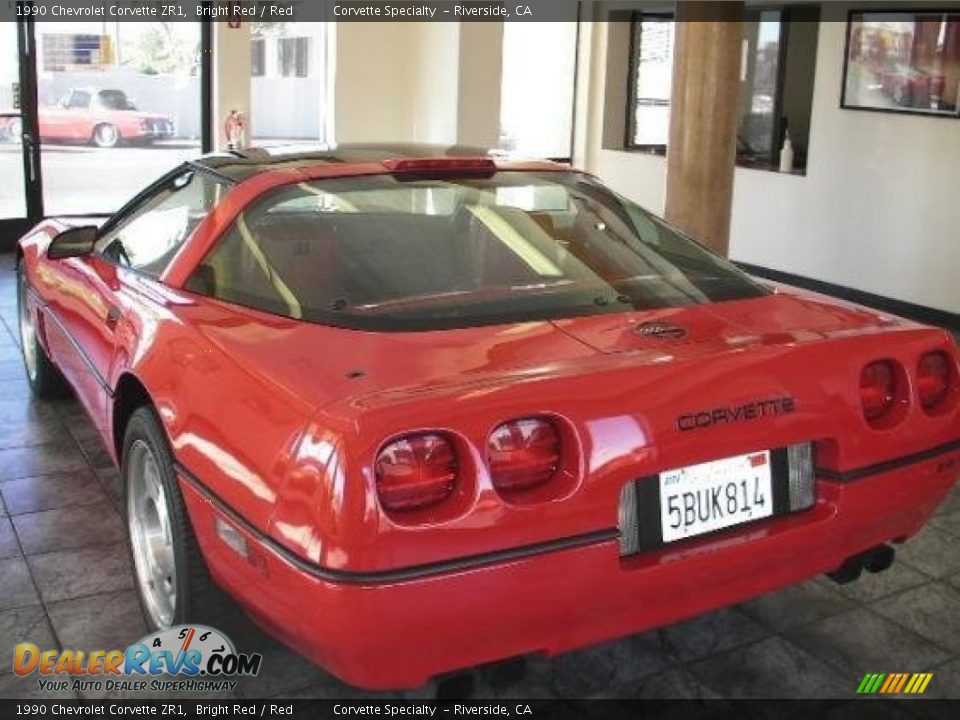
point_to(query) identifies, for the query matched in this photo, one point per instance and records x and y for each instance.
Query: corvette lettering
(737, 413)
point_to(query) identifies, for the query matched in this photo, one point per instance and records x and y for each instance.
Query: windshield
(391, 253)
(115, 100)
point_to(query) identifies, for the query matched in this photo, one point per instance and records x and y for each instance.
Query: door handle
(113, 317)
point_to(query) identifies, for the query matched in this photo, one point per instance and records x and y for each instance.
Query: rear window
(391, 253)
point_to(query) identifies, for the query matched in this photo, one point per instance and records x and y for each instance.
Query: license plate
(714, 495)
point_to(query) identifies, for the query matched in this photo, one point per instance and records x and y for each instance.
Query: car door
(67, 119)
(95, 292)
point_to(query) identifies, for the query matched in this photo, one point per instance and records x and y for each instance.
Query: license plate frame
(715, 495)
(648, 503)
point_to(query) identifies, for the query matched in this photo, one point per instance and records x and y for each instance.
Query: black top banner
(289, 10)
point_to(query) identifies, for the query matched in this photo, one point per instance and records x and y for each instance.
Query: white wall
(879, 208)
(417, 82)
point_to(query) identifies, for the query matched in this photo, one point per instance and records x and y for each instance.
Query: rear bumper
(394, 633)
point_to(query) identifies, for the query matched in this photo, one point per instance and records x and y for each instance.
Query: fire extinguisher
(235, 128)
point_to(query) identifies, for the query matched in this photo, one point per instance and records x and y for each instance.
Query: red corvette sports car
(416, 409)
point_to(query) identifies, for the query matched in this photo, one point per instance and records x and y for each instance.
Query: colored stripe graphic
(894, 683)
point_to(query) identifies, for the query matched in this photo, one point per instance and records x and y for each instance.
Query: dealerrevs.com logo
(185, 658)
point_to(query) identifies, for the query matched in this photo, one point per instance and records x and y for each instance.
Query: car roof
(239, 165)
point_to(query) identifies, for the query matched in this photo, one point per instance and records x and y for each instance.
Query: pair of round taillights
(421, 469)
(883, 386)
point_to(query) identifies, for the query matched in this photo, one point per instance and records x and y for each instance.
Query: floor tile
(9, 547)
(101, 622)
(711, 633)
(71, 574)
(673, 684)
(21, 462)
(282, 671)
(51, 492)
(945, 683)
(873, 586)
(772, 668)
(863, 641)
(952, 502)
(28, 688)
(17, 410)
(797, 604)
(932, 551)
(931, 610)
(24, 624)
(25, 433)
(583, 673)
(17, 588)
(333, 689)
(512, 679)
(68, 528)
(948, 522)
(11, 369)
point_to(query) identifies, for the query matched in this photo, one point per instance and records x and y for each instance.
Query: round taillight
(878, 389)
(523, 454)
(415, 472)
(934, 378)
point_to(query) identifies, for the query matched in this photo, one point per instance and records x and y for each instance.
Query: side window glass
(149, 238)
(80, 99)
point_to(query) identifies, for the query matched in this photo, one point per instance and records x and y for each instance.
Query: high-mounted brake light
(415, 472)
(440, 164)
(523, 454)
(878, 389)
(935, 376)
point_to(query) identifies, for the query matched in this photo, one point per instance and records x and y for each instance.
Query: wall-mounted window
(258, 57)
(290, 100)
(652, 70)
(779, 53)
(293, 56)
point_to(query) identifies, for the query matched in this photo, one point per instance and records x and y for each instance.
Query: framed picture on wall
(903, 61)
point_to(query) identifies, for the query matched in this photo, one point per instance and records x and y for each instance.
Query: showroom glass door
(19, 164)
(119, 105)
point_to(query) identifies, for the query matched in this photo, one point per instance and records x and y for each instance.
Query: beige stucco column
(703, 119)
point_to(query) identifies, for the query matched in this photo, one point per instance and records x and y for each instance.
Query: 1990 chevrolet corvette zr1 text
(417, 409)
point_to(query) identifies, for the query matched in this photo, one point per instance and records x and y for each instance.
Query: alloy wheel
(28, 332)
(151, 538)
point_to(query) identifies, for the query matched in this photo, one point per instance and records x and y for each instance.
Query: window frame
(131, 211)
(258, 68)
(669, 16)
(630, 126)
(298, 42)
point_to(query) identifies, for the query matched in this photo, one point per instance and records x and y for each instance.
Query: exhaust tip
(874, 560)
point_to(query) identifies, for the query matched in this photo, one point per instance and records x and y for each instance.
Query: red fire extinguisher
(235, 128)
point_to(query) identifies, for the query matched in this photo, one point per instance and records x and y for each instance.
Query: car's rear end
(619, 433)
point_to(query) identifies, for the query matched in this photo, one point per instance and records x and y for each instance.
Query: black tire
(45, 379)
(106, 135)
(198, 600)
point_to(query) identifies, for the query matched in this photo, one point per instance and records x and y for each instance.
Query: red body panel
(276, 423)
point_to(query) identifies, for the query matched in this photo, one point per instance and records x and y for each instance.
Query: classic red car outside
(103, 117)
(417, 410)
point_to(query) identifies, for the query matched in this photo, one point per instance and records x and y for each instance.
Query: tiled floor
(65, 582)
